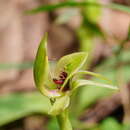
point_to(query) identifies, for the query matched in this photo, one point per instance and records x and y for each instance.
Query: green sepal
(79, 83)
(41, 66)
(71, 64)
(99, 76)
(41, 71)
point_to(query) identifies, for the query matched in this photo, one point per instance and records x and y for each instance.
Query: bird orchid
(58, 85)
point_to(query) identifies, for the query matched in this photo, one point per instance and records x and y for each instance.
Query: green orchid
(60, 83)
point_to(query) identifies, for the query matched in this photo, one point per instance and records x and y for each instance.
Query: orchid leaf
(60, 105)
(41, 71)
(15, 106)
(79, 83)
(74, 4)
(68, 4)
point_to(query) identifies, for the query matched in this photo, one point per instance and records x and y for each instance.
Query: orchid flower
(58, 85)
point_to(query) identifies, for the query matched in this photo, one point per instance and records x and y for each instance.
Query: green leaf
(60, 5)
(77, 4)
(71, 64)
(110, 124)
(118, 7)
(60, 105)
(78, 83)
(18, 105)
(41, 71)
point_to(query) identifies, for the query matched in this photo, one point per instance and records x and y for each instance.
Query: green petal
(79, 83)
(60, 105)
(99, 76)
(41, 70)
(71, 64)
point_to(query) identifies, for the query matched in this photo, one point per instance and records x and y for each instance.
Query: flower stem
(63, 121)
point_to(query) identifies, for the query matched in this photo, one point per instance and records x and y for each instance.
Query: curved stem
(63, 121)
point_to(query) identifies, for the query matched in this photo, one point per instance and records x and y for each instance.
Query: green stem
(63, 121)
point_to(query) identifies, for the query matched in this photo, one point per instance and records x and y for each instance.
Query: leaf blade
(77, 4)
(18, 105)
